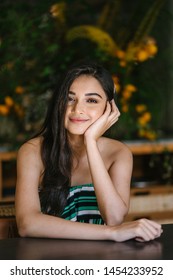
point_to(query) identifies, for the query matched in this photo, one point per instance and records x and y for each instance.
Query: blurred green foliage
(38, 41)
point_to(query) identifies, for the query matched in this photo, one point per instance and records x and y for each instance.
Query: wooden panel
(158, 189)
(149, 147)
(8, 155)
(152, 202)
(157, 216)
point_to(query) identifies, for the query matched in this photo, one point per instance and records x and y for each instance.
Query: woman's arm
(112, 186)
(31, 222)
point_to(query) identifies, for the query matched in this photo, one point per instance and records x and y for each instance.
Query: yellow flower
(54, 10)
(123, 63)
(141, 121)
(151, 135)
(19, 110)
(126, 94)
(57, 11)
(147, 133)
(116, 83)
(145, 118)
(142, 55)
(152, 49)
(120, 54)
(4, 110)
(117, 88)
(131, 51)
(9, 101)
(125, 108)
(130, 88)
(141, 108)
(19, 90)
(150, 46)
(115, 79)
(141, 132)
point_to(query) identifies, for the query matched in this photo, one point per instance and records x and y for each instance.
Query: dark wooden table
(57, 249)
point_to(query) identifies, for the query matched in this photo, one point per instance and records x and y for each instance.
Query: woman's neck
(77, 144)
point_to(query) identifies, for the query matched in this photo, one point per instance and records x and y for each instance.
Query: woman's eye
(70, 99)
(91, 100)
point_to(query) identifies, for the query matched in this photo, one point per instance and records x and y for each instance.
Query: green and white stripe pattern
(82, 205)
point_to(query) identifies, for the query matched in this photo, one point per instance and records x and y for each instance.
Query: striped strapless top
(82, 205)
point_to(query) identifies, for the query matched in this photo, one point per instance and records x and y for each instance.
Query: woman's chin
(77, 129)
(77, 132)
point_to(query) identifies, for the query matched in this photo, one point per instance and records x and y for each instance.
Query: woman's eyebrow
(94, 93)
(87, 94)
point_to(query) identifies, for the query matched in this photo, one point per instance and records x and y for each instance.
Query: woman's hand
(102, 124)
(141, 230)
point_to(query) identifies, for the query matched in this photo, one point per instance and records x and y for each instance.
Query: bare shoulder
(32, 146)
(31, 150)
(112, 148)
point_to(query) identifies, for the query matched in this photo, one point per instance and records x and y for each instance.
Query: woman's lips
(78, 120)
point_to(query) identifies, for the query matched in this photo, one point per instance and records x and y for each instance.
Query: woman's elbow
(22, 232)
(25, 227)
(116, 219)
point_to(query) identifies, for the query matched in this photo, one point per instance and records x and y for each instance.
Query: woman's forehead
(87, 83)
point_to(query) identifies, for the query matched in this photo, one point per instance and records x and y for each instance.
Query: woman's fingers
(114, 107)
(141, 230)
(114, 113)
(102, 124)
(147, 230)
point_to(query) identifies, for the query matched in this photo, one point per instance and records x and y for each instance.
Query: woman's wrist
(89, 141)
(110, 233)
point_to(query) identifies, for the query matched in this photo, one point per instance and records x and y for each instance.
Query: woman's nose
(78, 107)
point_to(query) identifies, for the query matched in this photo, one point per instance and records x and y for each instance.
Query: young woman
(72, 182)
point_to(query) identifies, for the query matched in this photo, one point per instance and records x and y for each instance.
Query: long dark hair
(56, 152)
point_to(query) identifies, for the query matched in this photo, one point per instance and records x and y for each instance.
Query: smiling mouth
(78, 120)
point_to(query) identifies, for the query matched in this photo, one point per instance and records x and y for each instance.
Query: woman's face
(86, 103)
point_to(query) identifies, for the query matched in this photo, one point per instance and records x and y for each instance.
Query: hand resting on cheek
(102, 124)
